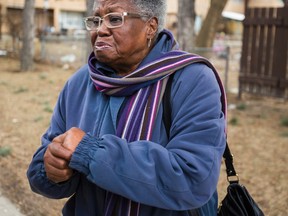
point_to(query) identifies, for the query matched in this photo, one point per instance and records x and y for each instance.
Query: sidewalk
(7, 208)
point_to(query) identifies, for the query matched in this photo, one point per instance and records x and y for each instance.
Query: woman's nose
(102, 28)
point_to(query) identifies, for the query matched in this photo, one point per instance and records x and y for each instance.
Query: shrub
(284, 121)
(241, 106)
(21, 89)
(234, 121)
(284, 134)
(5, 151)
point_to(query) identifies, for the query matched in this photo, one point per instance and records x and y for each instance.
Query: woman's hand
(59, 153)
(71, 139)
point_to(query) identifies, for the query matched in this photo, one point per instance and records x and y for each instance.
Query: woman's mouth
(101, 46)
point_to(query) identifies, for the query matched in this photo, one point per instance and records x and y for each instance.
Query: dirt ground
(257, 134)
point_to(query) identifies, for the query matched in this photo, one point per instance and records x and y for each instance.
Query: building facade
(62, 16)
(50, 15)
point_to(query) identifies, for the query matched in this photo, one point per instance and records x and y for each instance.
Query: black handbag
(238, 201)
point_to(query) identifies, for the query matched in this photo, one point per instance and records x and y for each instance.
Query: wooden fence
(264, 62)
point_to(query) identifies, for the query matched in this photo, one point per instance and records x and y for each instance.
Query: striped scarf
(143, 90)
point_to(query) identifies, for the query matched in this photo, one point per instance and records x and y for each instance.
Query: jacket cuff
(83, 154)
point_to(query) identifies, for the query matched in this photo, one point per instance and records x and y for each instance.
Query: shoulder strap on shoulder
(167, 105)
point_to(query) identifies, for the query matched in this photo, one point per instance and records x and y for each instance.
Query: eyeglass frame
(101, 19)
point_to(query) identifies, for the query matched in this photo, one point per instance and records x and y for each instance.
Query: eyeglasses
(111, 20)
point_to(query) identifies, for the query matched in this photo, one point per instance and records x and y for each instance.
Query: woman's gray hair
(153, 8)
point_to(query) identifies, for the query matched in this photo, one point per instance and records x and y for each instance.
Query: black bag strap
(167, 105)
(232, 176)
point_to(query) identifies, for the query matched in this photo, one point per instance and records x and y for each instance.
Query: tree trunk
(0, 21)
(208, 30)
(185, 28)
(27, 52)
(89, 12)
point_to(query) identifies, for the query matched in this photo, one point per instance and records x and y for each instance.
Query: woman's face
(121, 48)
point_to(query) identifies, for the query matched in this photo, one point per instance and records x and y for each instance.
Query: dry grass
(257, 136)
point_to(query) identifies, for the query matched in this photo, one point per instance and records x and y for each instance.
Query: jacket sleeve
(179, 175)
(36, 174)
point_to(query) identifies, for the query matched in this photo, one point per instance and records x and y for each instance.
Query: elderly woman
(108, 148)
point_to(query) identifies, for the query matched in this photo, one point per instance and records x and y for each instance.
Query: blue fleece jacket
(168, 176)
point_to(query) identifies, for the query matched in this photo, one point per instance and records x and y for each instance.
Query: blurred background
(43, 42)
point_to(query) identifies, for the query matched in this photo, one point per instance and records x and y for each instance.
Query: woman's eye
(96, 21)
(115, 19)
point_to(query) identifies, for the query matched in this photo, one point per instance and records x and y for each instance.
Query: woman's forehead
(111, 4)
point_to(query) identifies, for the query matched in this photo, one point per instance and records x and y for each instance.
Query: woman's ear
(152, 27)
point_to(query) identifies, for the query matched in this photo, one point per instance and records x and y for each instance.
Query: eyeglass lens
(111, 20)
